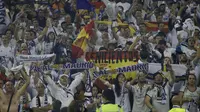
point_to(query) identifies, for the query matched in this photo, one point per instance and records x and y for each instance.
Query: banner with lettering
(34, 58)
(114, 60)
(3, 20)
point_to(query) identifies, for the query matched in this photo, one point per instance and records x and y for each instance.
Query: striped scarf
(38, 102)
(23, 101)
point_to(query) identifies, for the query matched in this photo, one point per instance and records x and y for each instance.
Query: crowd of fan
(35, 29)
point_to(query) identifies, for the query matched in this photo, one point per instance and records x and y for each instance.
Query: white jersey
(191, 106)
(157, 102)
(6, 54)
(65, 95)
(44, 101)
(123, 99)
(138, 98)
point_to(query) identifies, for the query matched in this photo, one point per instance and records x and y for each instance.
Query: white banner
(178, 69)
(33, 58)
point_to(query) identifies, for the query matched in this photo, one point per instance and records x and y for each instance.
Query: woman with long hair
(190, 94)
(120, 91)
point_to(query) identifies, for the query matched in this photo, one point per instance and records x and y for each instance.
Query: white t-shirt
(122, 41)
(42, 101)
(138, 98)
(156, 99)
(123, 99)
(192, 107)
(8, 53)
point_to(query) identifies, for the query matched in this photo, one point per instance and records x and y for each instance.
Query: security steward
(176, 105)
(108, 105)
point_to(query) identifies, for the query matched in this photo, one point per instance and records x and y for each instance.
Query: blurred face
(183, 58)
(51, 36)
(55, 23)
(86, 20)
(191, 42)
(5, 40)
(11, 76)
(27, 36)
(35, 23)
(94, 91)
(9, 87)
(191, 80)
(167, 61)
(40, 88)
(197, 33)
(8, 34)
(159, 19)
(21, 84)
(161, 26)
(141, 79)
(121, 78)
(162, 7)
(64, 26)
(158, 38)
(158, 79)
(24, 46)
(102, 27)
(69, 29)
(105, 38)
(69, 41)
(64, 80)
(68, 19)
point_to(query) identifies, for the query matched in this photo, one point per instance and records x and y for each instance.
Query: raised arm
(106, 83)
(172, 75)
(41, 35)
(80, 76)
(134, 44)
(129, 84)
(51, 85)
(24, 87)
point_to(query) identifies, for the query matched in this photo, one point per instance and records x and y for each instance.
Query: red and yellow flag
(80, 44)
(153, 26)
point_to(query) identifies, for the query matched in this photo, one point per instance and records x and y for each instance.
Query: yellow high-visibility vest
(110, 108)
(178, 110)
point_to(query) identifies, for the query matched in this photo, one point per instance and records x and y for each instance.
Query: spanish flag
(80, 44)
(153, 26)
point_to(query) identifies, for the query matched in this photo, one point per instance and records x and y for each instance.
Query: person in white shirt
(124, 4)
(6, 52)
(123, 36)
(157, 99)
(190, 94)
(120, 92)
(139, 91)
(65, 91)
(42, 102)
